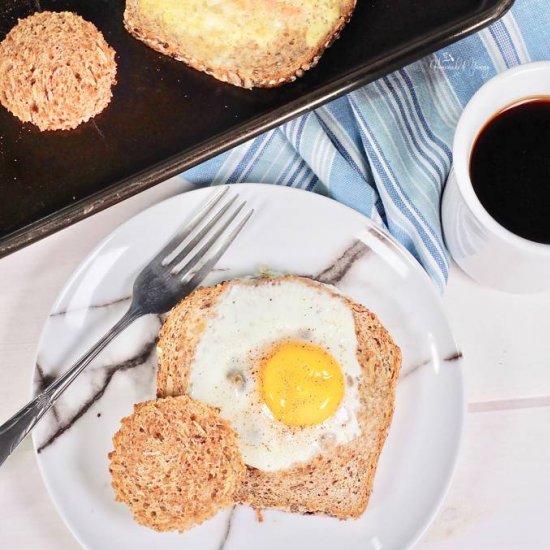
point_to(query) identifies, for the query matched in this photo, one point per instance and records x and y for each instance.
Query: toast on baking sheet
(248, 43)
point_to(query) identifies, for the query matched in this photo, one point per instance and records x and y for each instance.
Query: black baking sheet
(165, 117)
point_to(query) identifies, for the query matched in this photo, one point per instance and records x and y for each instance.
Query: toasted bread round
(247, 43)
(175, 463)
(337, 482)
(56, 70)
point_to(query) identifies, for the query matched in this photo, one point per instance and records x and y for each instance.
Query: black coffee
(510, 168)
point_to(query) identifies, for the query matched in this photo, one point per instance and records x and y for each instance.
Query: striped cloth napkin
(385, 149)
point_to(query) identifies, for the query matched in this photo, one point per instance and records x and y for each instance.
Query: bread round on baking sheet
(56, 70)
(175, 463)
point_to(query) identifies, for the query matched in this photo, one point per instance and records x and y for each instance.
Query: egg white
(248, 320)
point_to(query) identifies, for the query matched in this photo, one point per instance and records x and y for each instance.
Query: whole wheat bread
(175, 463)
(339, 481)
(56, 70)
(248, 43)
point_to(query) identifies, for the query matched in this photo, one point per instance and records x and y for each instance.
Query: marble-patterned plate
(291, 232)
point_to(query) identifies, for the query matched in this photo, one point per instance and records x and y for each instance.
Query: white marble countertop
(500, 495)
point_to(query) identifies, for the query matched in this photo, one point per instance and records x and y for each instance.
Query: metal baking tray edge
(174, 165)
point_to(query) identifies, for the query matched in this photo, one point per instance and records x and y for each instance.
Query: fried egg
(279, 361)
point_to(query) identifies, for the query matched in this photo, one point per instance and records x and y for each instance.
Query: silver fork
(172, 274)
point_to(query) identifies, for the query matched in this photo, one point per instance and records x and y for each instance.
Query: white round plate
(291, 231)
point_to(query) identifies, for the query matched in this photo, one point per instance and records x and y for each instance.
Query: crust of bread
(175, 463)
(173, 350)
(56, 70)
(337, 482)
(260, 76)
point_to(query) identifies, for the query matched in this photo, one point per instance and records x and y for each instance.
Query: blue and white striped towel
(385, 149)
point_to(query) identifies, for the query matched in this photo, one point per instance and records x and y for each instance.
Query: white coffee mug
(487, 251)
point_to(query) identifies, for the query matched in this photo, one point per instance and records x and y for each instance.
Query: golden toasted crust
(255, 66)
(56, 70)
(179, 337)
(338, 482)
(175, 463)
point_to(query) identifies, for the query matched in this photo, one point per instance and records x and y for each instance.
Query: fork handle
(21, 423)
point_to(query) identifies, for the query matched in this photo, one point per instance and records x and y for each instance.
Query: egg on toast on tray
(248, 43)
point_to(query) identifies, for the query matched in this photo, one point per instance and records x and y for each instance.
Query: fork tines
(194, 251)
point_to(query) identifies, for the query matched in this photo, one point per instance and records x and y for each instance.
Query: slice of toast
(175, 463)
(248, 43)
(337, 482)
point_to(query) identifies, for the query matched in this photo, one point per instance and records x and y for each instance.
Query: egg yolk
(301, 383)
